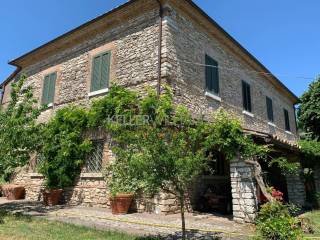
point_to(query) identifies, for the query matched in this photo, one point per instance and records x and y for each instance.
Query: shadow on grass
(13, 216)
(191, 235)
(28, 208)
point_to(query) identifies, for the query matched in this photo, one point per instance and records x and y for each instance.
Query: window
(94, 159)
(246, 96)
(100, 72)
(49, 85)
(269, 109)
(212, 75)
(286, 119)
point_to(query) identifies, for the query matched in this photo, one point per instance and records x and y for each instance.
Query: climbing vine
(64, 147)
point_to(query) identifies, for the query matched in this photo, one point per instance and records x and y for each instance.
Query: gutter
(159, 46)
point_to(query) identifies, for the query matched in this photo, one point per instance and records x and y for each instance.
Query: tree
(169, 150)
(19, 132)
(309, 110)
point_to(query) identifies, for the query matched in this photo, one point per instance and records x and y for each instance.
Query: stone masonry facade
(133, 45)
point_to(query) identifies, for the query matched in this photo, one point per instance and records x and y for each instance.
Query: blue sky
(284, 35)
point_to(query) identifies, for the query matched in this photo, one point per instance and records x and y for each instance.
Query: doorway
(211, 192)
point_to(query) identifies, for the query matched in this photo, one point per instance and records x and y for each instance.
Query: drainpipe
(295, 120)
(159, 47)
(1, 94)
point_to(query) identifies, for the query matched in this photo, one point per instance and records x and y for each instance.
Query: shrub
(275, 222)
(64, 148)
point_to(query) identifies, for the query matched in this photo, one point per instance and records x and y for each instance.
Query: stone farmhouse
(148, 42)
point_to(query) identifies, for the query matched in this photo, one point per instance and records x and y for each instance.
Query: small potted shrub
(122, 186)
(13, 191)
(122, 194)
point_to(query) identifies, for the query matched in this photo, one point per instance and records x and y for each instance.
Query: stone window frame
(108, 47)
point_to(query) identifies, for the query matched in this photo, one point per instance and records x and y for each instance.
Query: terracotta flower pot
(13, 191)
(120, 203)
(51, 197)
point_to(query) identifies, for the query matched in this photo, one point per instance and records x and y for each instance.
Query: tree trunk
(183, 223)
(258, 176)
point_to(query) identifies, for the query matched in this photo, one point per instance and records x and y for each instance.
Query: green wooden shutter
(249, 97)
(215, 77)
(246, 96)
(96, 73)
(49, 84)
(269, 109)
(286, 119)
(208, 71)
(45, 90)
(52, 85)
(100, 72)
(105, 66)
(212, 75)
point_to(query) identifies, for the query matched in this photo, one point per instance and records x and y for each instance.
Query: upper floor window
(286, 119)
(212, 75)
(49, 84)
(269, 109)
(100, 72)
(246, 96)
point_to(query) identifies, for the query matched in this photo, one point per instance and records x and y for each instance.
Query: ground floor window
(94, 159)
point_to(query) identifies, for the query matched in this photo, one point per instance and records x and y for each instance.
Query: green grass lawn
(25, 227)
(314, 217)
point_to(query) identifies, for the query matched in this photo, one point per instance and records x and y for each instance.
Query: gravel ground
(200, 226)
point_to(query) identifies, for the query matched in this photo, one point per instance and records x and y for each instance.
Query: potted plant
(52, 197)
(13, 191)
(122, 194)
(122, 186)
(52, 193)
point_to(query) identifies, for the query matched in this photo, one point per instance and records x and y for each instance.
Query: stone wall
(134, 50)
(244, 192)
(187, 44)
(296, 190)
(90, 188)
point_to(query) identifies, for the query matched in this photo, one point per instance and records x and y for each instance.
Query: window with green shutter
(100, 72)
(212, 75)
(286, 119)
(269, 109)
(49, 84)
(246, 96)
